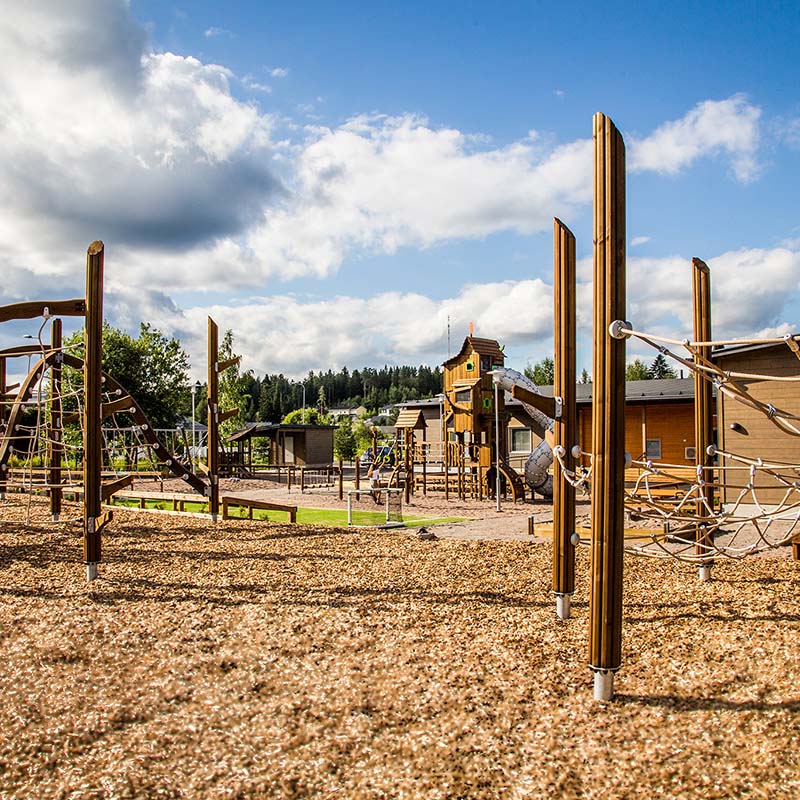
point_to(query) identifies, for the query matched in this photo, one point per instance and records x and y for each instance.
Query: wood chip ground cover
(251, 659)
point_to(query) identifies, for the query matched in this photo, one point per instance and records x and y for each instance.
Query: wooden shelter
(285, 445)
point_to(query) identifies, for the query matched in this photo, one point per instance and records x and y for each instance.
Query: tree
(153, 368)
(313, 417)
(232, 387)
(585, 376)
(542, 373)
(637, 371)
(363, 434)
(660, 369)
(344, 440)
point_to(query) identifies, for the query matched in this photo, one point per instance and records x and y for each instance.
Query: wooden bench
(177, 499)
(250, 503)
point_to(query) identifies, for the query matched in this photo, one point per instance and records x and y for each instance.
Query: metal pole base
(603, 685)
(214, 517)
(91, 571)
(564, 606)
(705, 574)
(55, 517)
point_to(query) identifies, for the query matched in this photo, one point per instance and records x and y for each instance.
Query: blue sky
(333, 181)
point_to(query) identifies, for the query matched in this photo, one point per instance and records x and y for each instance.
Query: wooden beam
(223, 365)
(213, 419)
(703, 405)
(55, 440)
(37, 308)
(21, 350)
(92, 415)
(226, 415)
(565, 426)
(112, 487)
(121, 404)
(546, 405)
(608, 409)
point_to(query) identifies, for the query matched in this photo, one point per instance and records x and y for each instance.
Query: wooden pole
(608, 408)
(92, 413)
(213, 419)
(55, 444)
(565, 427)
(703, 408)
(3, 417)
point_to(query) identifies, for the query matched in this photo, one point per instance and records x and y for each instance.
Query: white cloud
(279, 72)
(713, 127)
(637, 240)
(291, 335)
(213, 32)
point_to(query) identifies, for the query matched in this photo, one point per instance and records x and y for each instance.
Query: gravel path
(263, 660)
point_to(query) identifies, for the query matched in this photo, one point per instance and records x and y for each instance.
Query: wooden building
(469, 412)
(272, 444)
(659, 421)
(746, 431)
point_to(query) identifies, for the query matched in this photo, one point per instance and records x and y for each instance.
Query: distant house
(746, 431)
(659, 421)
(354, 412)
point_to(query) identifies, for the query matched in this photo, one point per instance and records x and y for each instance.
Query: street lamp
(497, 442)
(303, 387)
(195, 387)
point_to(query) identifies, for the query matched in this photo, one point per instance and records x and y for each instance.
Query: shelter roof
(409, 418)
(474, 344)
(258, 429)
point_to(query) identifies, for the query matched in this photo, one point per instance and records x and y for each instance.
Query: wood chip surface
(249, 659)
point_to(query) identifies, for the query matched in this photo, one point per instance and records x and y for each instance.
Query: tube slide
(541, 458)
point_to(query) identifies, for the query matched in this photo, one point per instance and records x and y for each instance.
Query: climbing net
(41, 442)
(692, 528)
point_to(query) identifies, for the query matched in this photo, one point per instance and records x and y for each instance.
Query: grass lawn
(305, 516)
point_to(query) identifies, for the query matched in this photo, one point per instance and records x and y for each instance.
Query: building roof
(664, 390)
(736, 349)
(255, 429)
(408, 418)
(484, 347)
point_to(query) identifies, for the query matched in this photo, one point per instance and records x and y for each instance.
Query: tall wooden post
(3, 417)
(565, 427)
(608, 408)
(92, 414)
(55, 441)
(213, 419)
(703, 408)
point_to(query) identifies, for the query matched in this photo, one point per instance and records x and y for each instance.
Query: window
(653, 448)
(464, 396)
(486, 363)
(487, 402)
(520, 440)
(470, 366)
(688, 453)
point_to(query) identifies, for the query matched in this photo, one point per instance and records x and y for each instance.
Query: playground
(234, 645)
(255, 658)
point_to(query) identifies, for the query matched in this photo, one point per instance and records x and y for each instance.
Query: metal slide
(539, 461)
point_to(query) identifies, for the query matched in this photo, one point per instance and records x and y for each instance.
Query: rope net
(42, 435)
(691, 528)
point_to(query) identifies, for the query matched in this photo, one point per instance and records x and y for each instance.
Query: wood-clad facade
(658, 412)
(746, 431)
(288, 445)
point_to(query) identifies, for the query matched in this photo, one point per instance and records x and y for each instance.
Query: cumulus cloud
(714, 127)
(293, 335)
(102, 136)
(755, 292)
